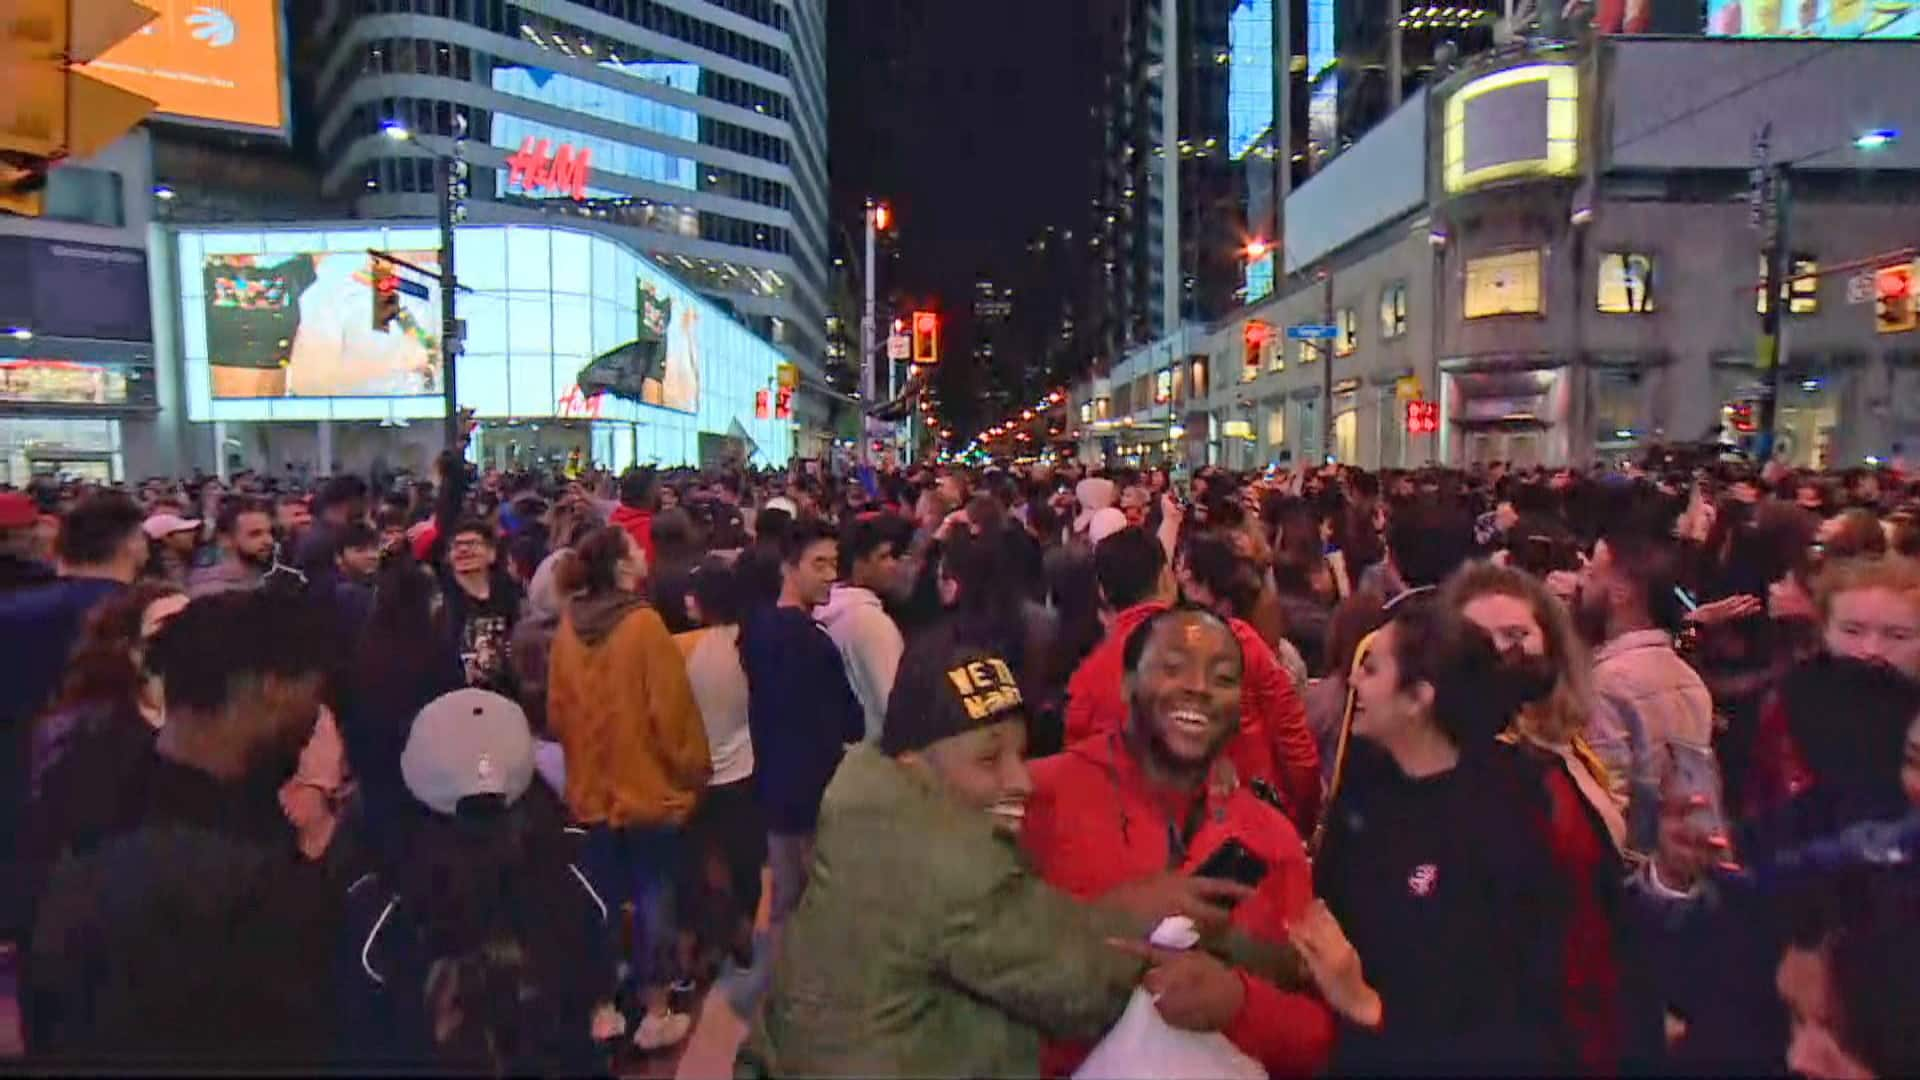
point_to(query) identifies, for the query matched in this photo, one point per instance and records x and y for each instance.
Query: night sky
(971, 118)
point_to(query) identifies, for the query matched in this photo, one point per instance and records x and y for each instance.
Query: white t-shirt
(720, 689)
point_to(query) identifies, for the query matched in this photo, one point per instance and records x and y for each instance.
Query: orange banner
(205, 60)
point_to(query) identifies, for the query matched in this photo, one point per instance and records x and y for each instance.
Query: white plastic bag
(1143, 1046)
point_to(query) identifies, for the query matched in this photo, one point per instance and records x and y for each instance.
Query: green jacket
(925, 946)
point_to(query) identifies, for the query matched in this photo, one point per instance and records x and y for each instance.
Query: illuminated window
(1507, 284)
(1276, 354)
(1309, 352)
(1163, 386)
(1625, 283)
(1277, 426)
(1198, 378)
(1804, 284)
(1086, 412)
(1393, 310)
(1347, 322)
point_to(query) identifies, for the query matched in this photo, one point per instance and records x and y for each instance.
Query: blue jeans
(637, 866)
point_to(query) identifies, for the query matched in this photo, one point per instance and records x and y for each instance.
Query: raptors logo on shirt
(1423, 879)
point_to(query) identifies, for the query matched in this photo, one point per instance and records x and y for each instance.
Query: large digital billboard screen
(277, 324)
(1814, 18)
(300, 324)
(215, 61)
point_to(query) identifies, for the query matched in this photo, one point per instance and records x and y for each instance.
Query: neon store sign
(539, 168)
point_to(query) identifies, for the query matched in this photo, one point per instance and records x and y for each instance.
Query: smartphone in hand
(1232, 861)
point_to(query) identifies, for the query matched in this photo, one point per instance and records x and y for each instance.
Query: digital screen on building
(216, 61)
(1814, 18)
(614, 157)
(61, 288)
(1250, 76)
(1521, 122)
(300, 324)
(560, 323)
(36, 381)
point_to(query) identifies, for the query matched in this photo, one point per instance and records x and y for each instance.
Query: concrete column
(325, 449)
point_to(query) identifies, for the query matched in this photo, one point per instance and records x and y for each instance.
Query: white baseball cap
(164, 524)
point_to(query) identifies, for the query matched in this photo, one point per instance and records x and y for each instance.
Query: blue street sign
(1312, 332)
(414, 288)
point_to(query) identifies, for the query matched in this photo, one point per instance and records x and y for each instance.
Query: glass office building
(702, 122)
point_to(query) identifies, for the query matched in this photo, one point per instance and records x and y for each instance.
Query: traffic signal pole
(1773, 341)
(449, 335)
(867, 392)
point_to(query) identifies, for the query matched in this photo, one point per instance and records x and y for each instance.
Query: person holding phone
(1155, 816)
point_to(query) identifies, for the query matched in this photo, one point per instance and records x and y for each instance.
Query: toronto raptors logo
(1422, 880)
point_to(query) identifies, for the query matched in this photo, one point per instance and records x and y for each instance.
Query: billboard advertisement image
(1814, 18)
(660, 366)
(301, 325)
(215, 61)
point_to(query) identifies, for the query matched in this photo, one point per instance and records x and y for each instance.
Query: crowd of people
(1549, 771)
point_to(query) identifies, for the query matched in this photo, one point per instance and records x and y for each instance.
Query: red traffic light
(926, 337)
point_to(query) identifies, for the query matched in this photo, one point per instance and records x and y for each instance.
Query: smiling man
(1136, 814)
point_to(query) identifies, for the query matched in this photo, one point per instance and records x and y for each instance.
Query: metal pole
(866, 346)
(1773, 337)
(1171, 286)
(1396, 76)
(1282, 136)
(1326, 368)
(449, 326)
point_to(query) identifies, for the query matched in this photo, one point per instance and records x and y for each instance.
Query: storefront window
(1346, 429)
(80, 449)
(1506, 284)
(1617, 408)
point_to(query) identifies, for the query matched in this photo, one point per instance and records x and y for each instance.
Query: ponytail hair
(592, 565)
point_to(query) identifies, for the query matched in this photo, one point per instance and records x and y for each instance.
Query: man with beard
(1653, 698)
(932, 949)
(1143, 809)
(198, 940)
(245, 528)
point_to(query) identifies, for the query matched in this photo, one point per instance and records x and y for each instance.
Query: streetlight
(1770, 192)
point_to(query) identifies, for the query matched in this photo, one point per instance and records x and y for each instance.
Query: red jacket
(639, 525)
(1274, 743)
(1094, 823)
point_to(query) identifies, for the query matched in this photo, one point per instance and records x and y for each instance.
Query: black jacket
(197, 940)
(801, 711)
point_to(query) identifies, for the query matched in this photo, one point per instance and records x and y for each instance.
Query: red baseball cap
(17, 510)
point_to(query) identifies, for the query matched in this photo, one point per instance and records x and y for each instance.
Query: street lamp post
(450, 194)
(877, 216)
(1772, 201)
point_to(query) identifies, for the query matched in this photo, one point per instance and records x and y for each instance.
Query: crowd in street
(1548, 771)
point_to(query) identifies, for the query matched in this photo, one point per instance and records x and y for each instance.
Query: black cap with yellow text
(945, 688)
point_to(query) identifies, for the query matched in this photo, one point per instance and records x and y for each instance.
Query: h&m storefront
(279, 352)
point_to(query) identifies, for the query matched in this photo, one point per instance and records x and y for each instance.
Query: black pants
(726, 849)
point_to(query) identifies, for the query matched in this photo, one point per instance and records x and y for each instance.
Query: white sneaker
(658, 1031)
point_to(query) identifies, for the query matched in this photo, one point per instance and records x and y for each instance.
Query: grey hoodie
(870, 646)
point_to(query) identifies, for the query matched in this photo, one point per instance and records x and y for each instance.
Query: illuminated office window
(1625, 283)
(1347, 338)
(1393, 310)
(1506, 284)
(1803, 286)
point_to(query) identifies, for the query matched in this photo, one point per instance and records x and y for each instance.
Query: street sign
(1860, 288)
(414, 289)
(1312, 332)
(899, 346)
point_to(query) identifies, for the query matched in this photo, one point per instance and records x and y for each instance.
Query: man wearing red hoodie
(635, 512)
(1141, 809)
(1273, 746)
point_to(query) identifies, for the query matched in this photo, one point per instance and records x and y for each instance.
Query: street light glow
(1257, 249)
(1875, 140)
(395, 130)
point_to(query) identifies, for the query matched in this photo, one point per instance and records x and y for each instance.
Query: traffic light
(1255, 336)
(926, 338)
(1893, 308)
(1423, 417)
(386, 294)
(50, 111)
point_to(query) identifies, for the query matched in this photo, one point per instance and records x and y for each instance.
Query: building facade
(700, 125)
(1557, 248)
